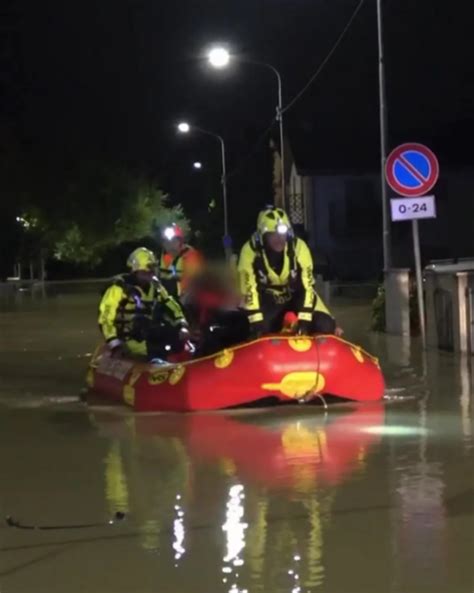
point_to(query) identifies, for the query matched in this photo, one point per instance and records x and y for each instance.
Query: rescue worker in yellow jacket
(137, 315)
(179, 262)
(276, 277)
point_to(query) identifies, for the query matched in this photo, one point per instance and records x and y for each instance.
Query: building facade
(341, 215)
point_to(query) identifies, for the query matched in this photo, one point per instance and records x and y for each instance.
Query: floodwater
(368, 499)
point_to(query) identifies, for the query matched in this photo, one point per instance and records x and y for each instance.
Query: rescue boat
(277, 369)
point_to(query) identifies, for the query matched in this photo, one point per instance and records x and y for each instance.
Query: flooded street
(373, 498)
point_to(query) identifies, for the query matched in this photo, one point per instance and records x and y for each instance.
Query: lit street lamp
(197, 165)
(219, 58)
(185, 128)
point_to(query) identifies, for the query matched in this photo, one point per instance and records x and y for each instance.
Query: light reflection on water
(234, 527)
(292, 466)
(178, 530)
(373, 498)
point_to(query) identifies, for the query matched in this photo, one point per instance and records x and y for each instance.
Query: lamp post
(219, 58)
(185, 128)
(387, 256)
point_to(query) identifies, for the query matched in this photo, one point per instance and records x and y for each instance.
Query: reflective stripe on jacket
(296, 277)
(126, 309)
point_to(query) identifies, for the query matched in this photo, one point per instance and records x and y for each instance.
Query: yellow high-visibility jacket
(126, 304)
(258, 277)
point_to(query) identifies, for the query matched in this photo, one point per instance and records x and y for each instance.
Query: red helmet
(171, 231)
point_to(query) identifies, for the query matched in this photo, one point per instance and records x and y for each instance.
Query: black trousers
(163, 340)
(222, 330)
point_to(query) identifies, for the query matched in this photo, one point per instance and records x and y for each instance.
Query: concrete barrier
(397, 301)
(449, 309)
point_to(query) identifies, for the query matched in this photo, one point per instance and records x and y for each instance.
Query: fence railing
(14, 288)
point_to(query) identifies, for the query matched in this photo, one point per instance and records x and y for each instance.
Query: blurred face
(144, 276)
(173, 245)
(276, 241)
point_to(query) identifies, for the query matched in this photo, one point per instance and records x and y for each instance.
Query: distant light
(219, 57)
(282, 228)
(395, 430)
(169, 233)
(184, 127)
(26, 224)
(197, 165)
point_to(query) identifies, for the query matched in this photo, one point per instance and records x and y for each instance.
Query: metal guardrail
(17, 292)
(17, 289)
(24, 282)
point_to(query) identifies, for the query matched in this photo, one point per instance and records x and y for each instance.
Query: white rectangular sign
(413, 208)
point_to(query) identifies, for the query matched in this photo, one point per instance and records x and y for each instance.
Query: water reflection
(234, 526)
(363, 500)
(421, 519)
(178, 530)
(274, 476)
(234, 529)
(116, 487)
(466, 379)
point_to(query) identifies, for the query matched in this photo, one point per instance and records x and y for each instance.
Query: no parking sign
(412, 170)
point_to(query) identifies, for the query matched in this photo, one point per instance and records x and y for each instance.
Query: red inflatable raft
(283, 367)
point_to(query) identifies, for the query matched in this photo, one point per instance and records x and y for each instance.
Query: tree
(125, 209)
(96, 209)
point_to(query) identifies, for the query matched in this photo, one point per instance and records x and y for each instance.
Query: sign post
(412, 170)
(419, 280)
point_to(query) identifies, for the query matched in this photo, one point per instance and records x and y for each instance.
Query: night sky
(109, 78)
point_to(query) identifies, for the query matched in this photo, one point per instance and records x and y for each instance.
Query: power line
(326, 59)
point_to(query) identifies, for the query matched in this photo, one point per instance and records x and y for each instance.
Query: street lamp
(184, 128)
(387, 255)
(219, 58)
(197, 165)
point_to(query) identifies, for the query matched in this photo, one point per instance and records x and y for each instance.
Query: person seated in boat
(212, 303)
(179, 262)
(137, 316)
(276, 277)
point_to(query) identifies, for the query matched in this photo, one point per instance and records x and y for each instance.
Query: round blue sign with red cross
(411, 169)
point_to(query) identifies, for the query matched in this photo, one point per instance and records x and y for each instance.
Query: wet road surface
(366, 499)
